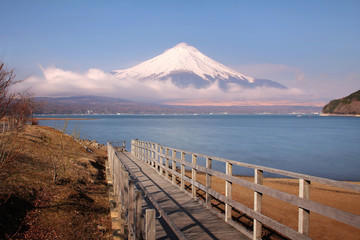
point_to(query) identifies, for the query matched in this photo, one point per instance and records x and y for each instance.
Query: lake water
(321, 146)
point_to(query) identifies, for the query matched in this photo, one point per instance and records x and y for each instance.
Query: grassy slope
(33, 206)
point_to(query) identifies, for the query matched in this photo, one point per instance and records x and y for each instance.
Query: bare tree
(7, 79)
(14, 109)
(21, 108)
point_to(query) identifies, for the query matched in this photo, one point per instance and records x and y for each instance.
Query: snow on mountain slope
(185, 65)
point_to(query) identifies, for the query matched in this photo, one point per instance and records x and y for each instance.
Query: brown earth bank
(52, 187)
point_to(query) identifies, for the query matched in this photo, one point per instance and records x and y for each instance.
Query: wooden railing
(129, 191)
(10, 123)
(5, 127)
(172, 163)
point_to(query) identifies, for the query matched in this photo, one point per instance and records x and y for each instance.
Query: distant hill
(106, 105)
(346, 105)
(80, 105)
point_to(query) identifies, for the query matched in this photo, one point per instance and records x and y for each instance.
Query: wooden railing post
(144, 152)
(257, 228)
(122, 185)
(173, 176)
(116, 183)
(208, 182)
(152, 155)
(138, 215)
(115, 179)
(111, 161)
(137, 148)
(109, 154)
(134, 145)
(150, 224)
(131, 208)
(304, 214)
(161, 160)
(228, 190)
(149, 154)
(182, 171)
(157, 157)
(193, 175)
(166, 163)
(125, 198)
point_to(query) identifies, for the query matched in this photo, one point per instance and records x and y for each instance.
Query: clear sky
(313, 46)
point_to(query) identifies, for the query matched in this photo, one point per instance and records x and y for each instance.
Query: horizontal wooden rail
(159, 157)
(325, 181)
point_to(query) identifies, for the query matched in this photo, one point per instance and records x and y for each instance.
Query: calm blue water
(321, 146)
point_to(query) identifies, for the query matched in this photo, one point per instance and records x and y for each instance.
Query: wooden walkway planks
(195, 221)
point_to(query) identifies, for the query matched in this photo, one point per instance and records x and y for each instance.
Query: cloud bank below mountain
(59, 82)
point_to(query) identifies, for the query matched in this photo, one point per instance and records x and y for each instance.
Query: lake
(316, 145)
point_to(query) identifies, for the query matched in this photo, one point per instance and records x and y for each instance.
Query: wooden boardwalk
(195, 221)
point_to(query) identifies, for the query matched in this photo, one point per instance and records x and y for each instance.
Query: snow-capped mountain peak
(180, 58)
(185, 65)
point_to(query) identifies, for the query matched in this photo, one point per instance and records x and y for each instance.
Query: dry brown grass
(34, 206)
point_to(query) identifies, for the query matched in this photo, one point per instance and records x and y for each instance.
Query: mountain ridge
(186, 66)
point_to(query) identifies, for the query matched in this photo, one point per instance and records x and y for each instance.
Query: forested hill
(346, 105)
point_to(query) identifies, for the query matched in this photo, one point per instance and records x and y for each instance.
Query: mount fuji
(186, 66)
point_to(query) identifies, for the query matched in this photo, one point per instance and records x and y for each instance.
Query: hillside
(346, 105)
(51, 187)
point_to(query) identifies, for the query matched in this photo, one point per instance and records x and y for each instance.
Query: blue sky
(308, 45)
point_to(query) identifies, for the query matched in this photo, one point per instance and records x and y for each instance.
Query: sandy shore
(320, 227)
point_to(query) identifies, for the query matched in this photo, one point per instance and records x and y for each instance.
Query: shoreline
(338, 115)
(66, 118)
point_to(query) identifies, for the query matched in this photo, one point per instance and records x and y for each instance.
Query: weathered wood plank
(189, 216)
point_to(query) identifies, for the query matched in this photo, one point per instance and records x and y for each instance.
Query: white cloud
(59, 82)
(285, 74)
